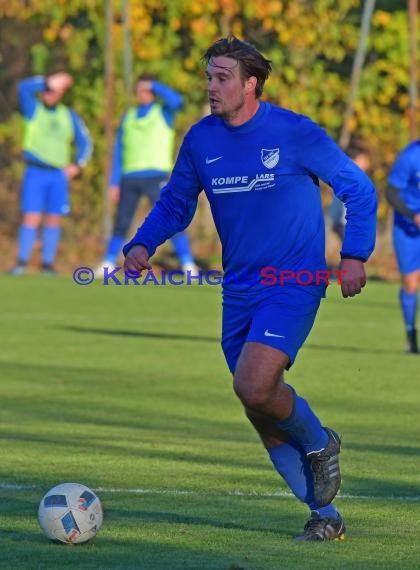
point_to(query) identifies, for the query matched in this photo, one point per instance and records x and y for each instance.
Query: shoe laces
(319, 467)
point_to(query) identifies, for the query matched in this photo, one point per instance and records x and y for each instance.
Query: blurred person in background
(51, 129)
(359, 153)
(403, 194)
(142, 159)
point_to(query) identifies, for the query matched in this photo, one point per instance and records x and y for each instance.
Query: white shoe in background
(191, 269)
(100, 269)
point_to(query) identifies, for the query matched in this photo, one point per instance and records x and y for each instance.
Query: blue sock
(408, 302)
(292, 464)
(50, 240)
(304, 427)
(114, 250)
(27, 237)
(181, 245)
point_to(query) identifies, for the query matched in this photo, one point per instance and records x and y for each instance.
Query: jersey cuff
(130, 246)
(349, 256)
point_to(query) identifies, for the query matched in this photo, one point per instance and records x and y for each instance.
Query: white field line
(234, 493)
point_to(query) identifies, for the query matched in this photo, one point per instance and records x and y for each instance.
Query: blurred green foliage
(311, 43)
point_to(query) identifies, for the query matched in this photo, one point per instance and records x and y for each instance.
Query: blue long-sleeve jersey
(262, 182)
(171, 103)
(28, 89)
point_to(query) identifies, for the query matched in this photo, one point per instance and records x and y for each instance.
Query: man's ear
(250, 84)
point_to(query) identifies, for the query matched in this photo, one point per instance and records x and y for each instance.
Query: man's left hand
(71, 171)
(353, 277)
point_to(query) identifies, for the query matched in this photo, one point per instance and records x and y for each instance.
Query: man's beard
(229, 114)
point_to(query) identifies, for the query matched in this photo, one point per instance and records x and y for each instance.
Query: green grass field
(125, 389)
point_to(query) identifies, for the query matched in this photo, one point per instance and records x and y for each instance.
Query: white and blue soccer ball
(70, 513)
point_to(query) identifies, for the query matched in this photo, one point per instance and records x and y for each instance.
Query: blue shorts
(271, 321)
(45, 190)
(407, 250)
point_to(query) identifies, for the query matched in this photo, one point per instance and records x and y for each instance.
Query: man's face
(226, 89)
(51, 98)
(363, 161)
(144, 92)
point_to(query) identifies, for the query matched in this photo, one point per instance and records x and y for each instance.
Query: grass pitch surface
(125, 389)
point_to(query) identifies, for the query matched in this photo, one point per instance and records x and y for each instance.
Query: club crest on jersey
(270, 157)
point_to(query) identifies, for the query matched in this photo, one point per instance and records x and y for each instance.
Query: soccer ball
(70, 513)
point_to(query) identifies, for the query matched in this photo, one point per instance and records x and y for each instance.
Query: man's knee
(257, 393)
(53, 220)
(31, 219)
(253, 396)
(259, 375)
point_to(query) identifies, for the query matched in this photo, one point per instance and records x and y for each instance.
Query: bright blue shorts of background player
(45, 190)
(276, 321)
(407, 248)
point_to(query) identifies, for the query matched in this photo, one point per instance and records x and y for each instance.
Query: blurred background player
(142, 160)
(403, 194)
(359, 153)
(51, 128)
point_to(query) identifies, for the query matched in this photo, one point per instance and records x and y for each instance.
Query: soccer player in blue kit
(50, 130)
(259, 166)
(403, 193)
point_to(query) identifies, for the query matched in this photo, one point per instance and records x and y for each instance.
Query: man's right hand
(59, 82)
(137, 259)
